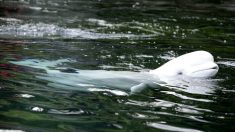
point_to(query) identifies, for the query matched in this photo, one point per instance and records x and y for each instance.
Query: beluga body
(198, 64)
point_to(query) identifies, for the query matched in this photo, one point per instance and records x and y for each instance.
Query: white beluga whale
(198, 64)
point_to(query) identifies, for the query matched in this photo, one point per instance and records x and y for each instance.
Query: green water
(115, 35)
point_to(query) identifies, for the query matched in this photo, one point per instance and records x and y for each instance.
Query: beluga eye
(215, 67)
(180, 73)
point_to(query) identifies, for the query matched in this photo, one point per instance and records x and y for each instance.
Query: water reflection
(195, 86)
(163, 126)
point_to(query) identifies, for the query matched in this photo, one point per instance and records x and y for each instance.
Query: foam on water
(227, 63)
(52, 30)
(10, 19)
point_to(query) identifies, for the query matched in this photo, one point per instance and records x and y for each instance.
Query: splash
(54, 31)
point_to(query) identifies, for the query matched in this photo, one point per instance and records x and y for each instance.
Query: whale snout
(205, 70)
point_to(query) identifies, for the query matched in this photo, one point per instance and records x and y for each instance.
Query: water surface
(131, 36)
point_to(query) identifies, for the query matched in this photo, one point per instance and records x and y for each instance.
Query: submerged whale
(198, 64)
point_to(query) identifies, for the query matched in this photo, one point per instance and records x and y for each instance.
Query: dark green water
(115, 35)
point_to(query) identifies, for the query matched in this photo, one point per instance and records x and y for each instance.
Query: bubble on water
(194, 30)
(122, 57)
(37, 109)
(100, 22)
(144, 56)
(36, 8)
(117, 126)
(26, 96)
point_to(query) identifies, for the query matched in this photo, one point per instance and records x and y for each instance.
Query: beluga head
(198, 64)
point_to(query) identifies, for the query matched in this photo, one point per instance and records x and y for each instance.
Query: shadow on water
(114, 36)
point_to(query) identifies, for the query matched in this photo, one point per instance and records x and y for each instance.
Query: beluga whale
(194, 65)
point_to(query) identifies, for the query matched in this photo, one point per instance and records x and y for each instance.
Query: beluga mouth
(207, 69)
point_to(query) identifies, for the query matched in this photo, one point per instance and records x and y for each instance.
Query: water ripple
(167, 127)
